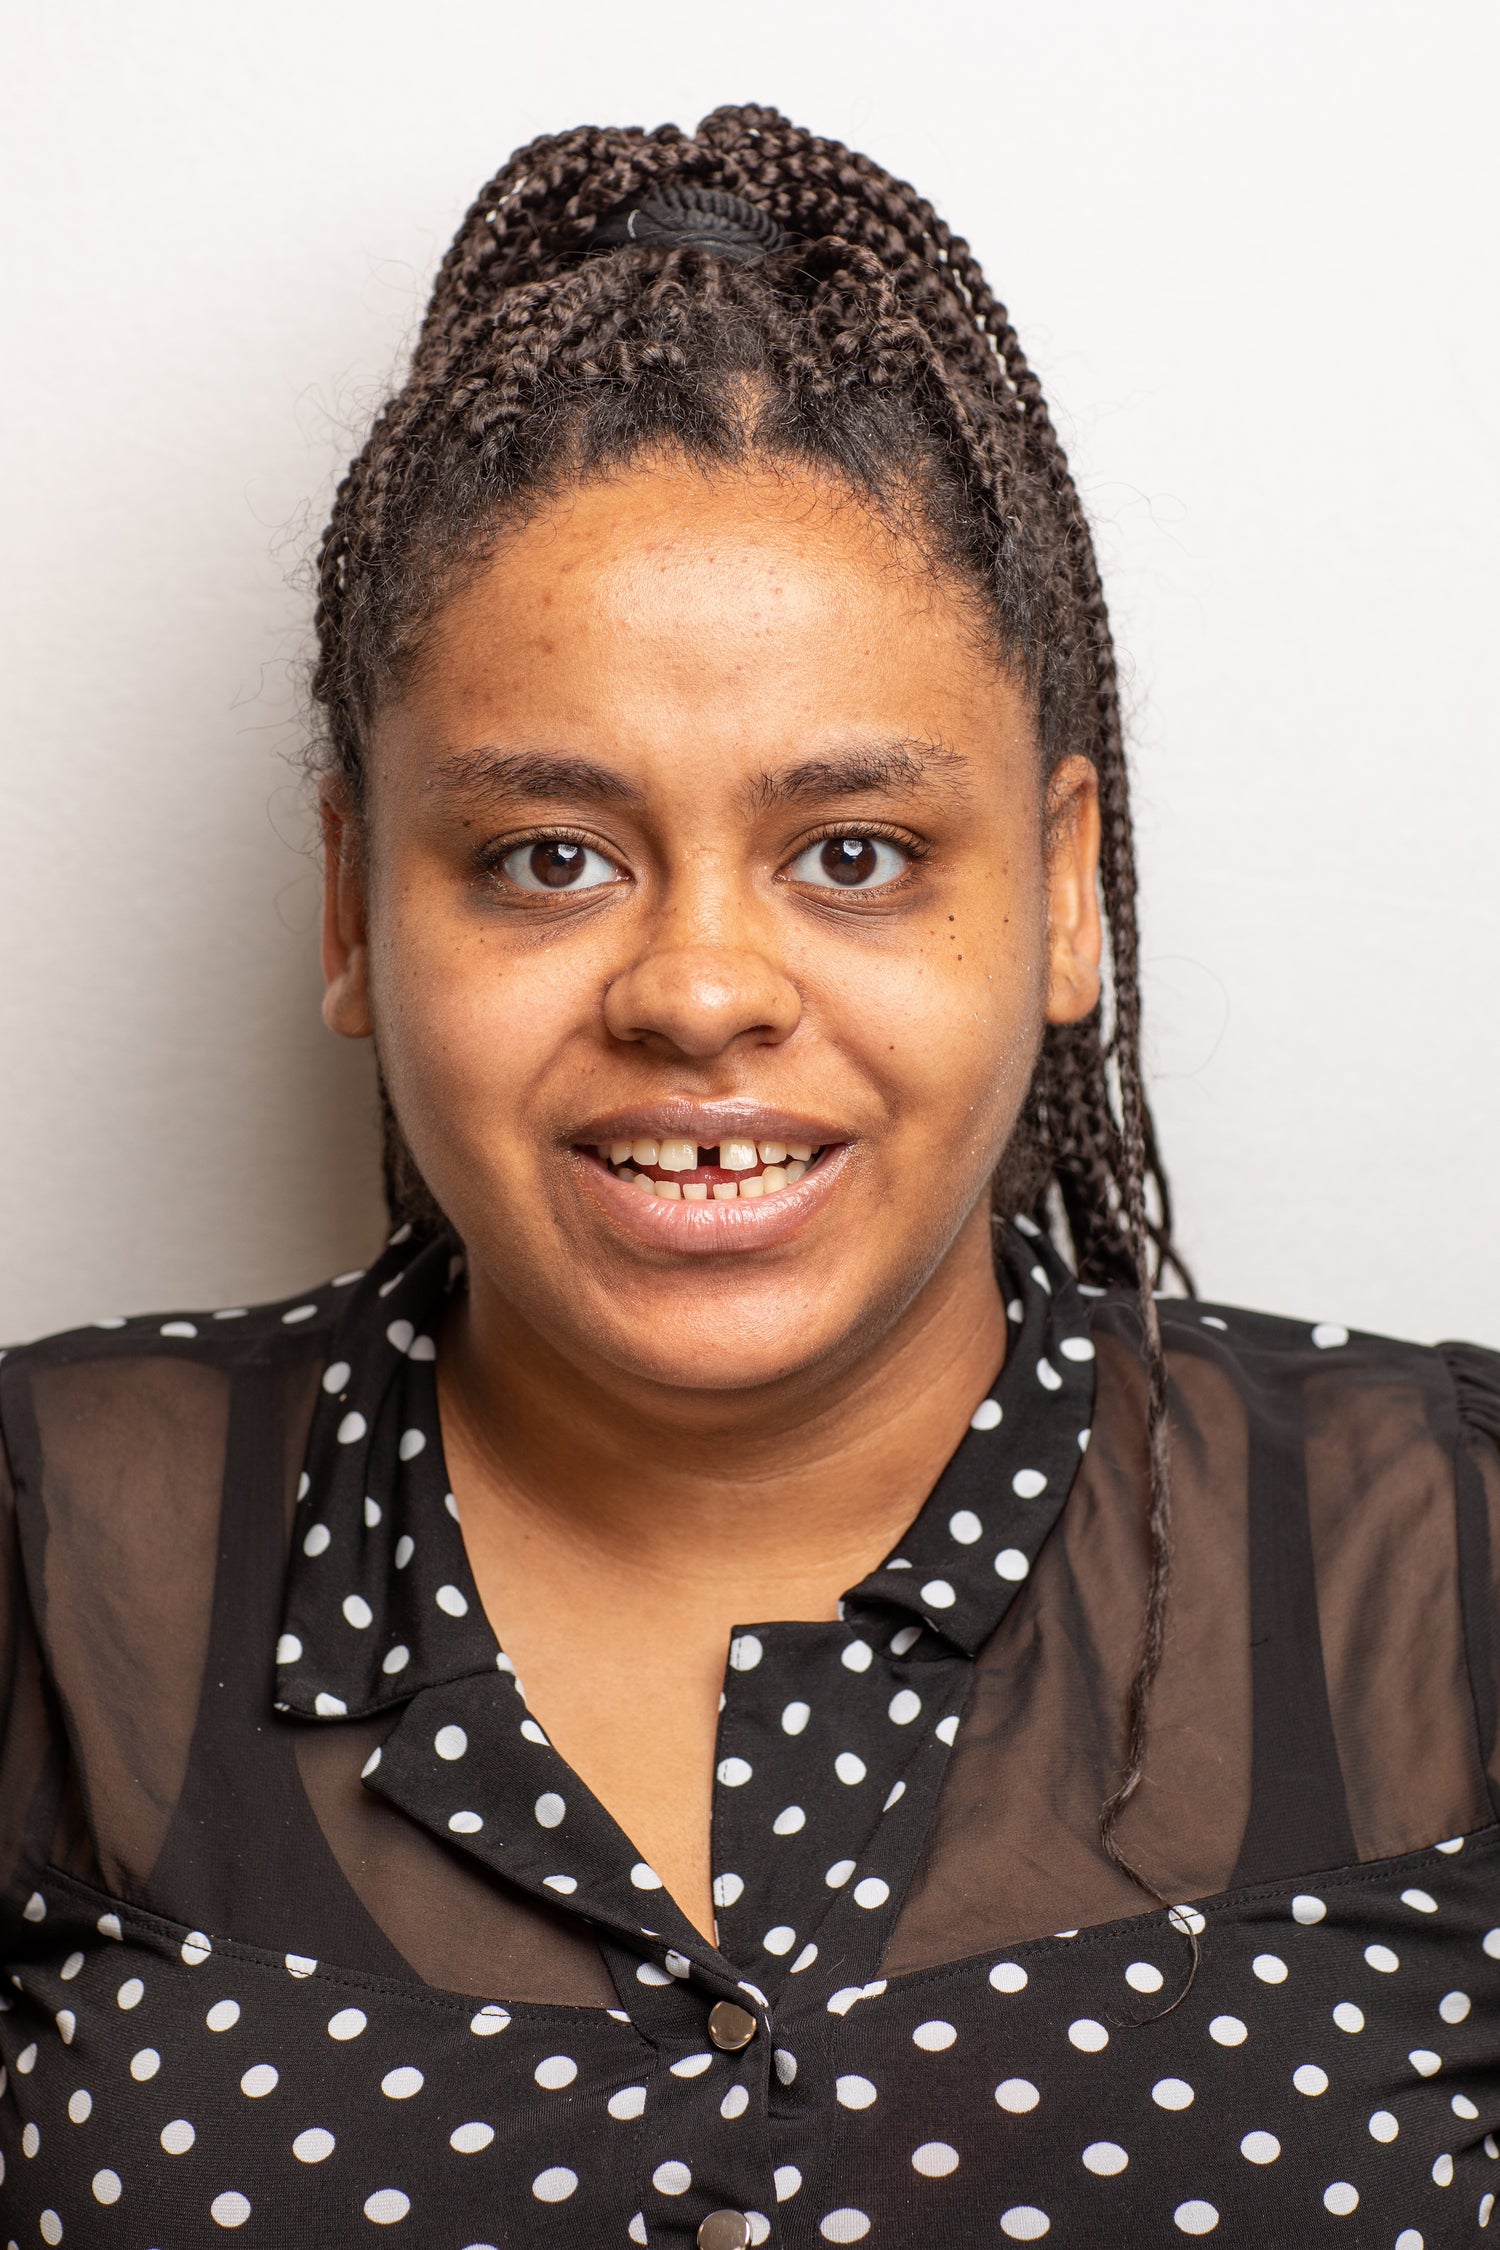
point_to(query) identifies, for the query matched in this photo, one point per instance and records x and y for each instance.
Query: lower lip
(714, 1229)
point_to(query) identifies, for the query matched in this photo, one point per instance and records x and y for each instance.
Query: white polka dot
(780, 1940)
(1017, 2095)
(847, 2225)
(1310, 2078)
(330, 1706)
(1491, 1943)
(490, 2019)
(223, 2015)
(1228, 2031)
(1328, 1336)
(1453, 1844)
(1486, 2207)
(399, 2085)
(692, 2066)
(787, 2180)
(935, 2036)
(1420, 1902)
(261, 2079)
(1307, 1909)
(1088, 2036)
(405, 1548)
(938, 1594)
(145, 2065)
(1442, 2172)
(672, 2178)
(71, 1967)
(857, 1656)
(1424, 2062)
(412, 1443)
(1348, 2017)
(745, 1652)
(986, 1415)
(627, 2103)
(178, 1328)
(1028, 1484)
(903, 1707)
(108, 1925)
(795, 1717)
(178, 2137)
(1106, 2158)
(935, 2160)
(396, 1659)
(336, 1376)
(1382, 1958)
(894, 1795)
(1383, 2126)
(1076, 1347)
(549, 1809)
(1461, 2106)
(470, 2140)
(352, 1429)
(1188, 1920)
(107, 2187)
(839, 1873)
(1143, 1976)
(1270, 1968)
(1260, 2148)
(228, 2210)
(946, 1730)
(465, 1823)
(1008, 1976)
(131, 1993)
(728, 1889)
(734, 1772)
(905, 1639)
(372, 1513)
(965, 1527)
(636, 2229)
(1047, 1375)
(357, 1612)
(386, 2206)
(67, 2024)
(31, 2139)
(855, 2092)
(451, 1602)
(1195, 2217)
(347, 2024)
(648, 1973)
(871, 1892)
(1341, 2198)
(314, 2146)
(734, 2104)
(1024, 2223)
(1012, 1565)
(81, 2106)
(789, 1822)
(849, 1768)
(1172, 2093)
(1454, 2007)
(555, 2072)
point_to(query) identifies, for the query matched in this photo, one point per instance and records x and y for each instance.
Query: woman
(1002, 1755)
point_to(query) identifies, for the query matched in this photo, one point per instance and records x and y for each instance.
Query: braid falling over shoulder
(866, 343)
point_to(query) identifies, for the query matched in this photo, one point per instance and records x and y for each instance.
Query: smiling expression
(708, 903)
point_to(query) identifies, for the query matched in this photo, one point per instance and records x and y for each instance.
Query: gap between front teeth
(781, 1166)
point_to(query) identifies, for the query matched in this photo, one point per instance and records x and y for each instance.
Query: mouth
(726, 1171)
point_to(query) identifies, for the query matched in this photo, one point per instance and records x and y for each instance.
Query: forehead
(728, 615)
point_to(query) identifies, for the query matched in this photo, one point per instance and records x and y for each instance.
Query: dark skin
(800, 883)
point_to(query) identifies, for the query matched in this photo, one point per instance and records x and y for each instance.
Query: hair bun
(694, 218)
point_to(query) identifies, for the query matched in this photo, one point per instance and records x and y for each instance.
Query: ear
(345, 948)
(1075, 934)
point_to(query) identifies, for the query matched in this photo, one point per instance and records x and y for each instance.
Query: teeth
(726, 1191)
(753, 1185)
(670, 1191)
(794, 1173)
(772, 1152)
(618, 1152)
(773, 1177)
(738, 1156)
(802, 1154)
(695, 1191)
(645, 1152)
(639, 1180)
(679, 1156)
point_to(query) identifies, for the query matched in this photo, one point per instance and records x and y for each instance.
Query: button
(724, 2230)
(730, 2027)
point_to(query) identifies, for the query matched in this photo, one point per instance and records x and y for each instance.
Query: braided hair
(752, 290)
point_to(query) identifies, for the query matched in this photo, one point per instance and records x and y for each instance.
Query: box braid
(753, 289)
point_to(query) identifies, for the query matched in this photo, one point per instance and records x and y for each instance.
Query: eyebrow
(905, 768)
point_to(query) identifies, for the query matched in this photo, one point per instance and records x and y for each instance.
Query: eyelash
(490, 858)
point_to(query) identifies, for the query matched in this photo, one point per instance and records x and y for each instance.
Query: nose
(702, 999)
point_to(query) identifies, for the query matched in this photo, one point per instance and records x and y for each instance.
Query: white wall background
(1250, 247)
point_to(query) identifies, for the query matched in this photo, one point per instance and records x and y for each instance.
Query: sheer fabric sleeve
(30, 1753)
(1475, 1375)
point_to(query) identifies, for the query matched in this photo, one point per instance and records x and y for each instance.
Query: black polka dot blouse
(309, 1932)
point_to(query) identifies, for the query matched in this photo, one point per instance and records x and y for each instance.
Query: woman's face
(708, 833)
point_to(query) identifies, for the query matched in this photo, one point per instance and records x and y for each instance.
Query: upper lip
(707, 1124)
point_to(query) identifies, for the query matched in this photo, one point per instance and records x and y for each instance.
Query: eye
(555, 863)
(850, 863)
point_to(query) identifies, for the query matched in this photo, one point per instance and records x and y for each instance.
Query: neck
(808, 1481)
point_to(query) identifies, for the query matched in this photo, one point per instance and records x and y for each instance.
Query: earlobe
(1074, 928)
(345, 947)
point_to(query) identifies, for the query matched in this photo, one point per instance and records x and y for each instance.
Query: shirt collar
(379, 1601)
